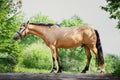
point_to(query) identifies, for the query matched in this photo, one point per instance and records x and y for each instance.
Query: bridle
(24, 30)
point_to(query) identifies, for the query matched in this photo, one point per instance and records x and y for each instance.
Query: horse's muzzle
(16, 36)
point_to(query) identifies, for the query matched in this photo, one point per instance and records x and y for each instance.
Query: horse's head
(22, 32)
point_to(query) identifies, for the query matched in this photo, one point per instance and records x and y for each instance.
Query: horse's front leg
(55, 58)
(59, 64)
(54, 65)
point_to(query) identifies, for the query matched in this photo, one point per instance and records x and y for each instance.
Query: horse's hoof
(83, 71)
(102, 72)
(59, 72)
(52, 71)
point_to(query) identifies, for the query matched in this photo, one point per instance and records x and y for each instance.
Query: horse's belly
(70, 40)
(69, 44)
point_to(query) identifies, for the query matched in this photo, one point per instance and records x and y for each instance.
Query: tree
(73, 21)
(41, 18)
(113, 8)
(9, 20)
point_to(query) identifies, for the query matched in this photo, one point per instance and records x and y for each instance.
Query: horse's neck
(37, 30)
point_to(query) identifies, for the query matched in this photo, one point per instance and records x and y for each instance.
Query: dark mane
(43, 24)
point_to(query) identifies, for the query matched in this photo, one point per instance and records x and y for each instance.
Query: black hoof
(83, 71)
(102, 72)
(52, 71)
(59, 72)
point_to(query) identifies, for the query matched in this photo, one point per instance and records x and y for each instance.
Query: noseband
(19, 33)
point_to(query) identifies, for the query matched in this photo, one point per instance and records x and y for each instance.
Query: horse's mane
(44, 24)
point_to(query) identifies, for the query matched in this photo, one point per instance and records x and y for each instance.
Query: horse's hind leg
(88, 54)
(102, 67)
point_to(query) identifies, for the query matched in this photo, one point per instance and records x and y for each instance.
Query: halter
(23, 30)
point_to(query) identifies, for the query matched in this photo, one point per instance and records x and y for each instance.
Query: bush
(37, 56)
(112, 64)
(9, 20)
(73, 21)
(73, 60)
(9, 58)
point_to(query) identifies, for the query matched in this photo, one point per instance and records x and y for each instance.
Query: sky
(88, 10)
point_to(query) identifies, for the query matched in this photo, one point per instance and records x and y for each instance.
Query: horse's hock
(57, 76)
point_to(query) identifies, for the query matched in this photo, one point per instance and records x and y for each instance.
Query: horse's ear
(27, 22)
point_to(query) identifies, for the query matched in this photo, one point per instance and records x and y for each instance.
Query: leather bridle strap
(22, 32)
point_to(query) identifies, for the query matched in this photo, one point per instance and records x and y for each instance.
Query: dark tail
(99, 48)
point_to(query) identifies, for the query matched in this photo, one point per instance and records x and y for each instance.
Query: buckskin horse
(56, 37)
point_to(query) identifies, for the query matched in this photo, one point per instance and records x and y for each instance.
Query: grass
(30, 70)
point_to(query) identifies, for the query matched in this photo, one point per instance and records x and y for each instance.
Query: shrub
(9, 59)
(112, 63)
(38, 56)
(73, 60)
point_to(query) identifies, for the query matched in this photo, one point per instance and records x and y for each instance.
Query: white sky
(88, 10)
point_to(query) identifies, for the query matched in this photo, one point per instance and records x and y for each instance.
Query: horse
(55, 36)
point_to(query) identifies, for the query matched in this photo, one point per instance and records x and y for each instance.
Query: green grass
(30, 70)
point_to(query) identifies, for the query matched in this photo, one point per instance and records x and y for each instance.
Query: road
(56, 76)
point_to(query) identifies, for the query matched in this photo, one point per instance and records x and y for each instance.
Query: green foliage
(113, 8)
(112, 64)
(36, 56)
(41, 18)
(9, 50)
(73, 60)
(73, 21)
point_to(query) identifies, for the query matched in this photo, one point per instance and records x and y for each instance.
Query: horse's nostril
(15, 37)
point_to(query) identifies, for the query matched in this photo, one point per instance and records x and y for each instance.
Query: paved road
(59, 76)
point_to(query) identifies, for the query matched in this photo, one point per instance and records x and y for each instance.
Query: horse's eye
(20, 28)
(24, 25)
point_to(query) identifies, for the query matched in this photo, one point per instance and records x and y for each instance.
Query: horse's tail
(99, 49)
